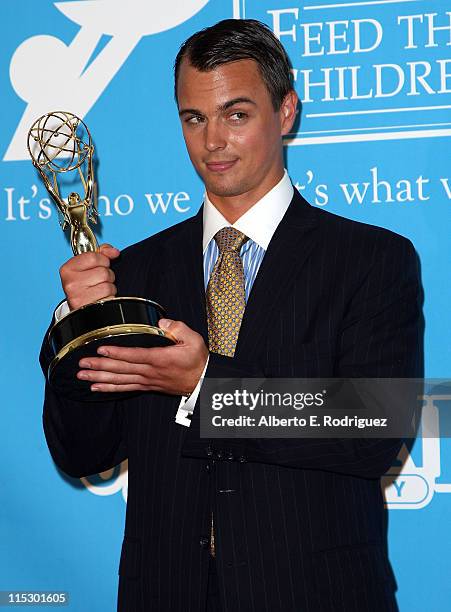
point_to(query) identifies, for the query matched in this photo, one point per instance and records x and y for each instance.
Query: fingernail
(102, 350)
(84, 364)
(164, 323)
(95, 388)
(83, 375)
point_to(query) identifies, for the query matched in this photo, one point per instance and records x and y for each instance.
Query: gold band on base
(108, 332)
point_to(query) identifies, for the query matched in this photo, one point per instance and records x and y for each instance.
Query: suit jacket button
(209, 451)
(230, 456)
(242, 459)
(219, 455)
(204, 542)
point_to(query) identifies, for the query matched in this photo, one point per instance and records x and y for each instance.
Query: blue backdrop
(373, 144)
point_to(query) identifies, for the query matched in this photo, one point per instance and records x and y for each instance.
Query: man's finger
(107, 388)
(96, 276)
(105, 364)
(149, 356)
(92, 294)
(86, 261)
(98, 376)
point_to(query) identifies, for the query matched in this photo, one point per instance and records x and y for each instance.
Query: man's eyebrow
(221, 108)
(231, 103)
(189, 111)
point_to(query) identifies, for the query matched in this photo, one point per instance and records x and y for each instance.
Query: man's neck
(259, 222)
(234, 207)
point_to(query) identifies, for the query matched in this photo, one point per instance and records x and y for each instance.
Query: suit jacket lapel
(185, 273)
(290, 246)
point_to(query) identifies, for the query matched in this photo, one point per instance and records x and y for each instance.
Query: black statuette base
(127, 322)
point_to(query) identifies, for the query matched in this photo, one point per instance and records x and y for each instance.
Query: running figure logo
(78, 83)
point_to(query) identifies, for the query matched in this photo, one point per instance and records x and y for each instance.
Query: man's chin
(225, 189)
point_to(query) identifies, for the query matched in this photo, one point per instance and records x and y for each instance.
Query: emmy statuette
(61, 149)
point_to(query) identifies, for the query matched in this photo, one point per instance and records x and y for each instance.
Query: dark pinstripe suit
(304, 528)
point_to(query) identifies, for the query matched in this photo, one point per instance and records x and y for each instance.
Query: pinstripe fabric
(300, 524)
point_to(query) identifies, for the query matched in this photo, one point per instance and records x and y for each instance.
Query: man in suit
(253, 525)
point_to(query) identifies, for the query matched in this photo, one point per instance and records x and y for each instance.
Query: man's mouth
(220, 166)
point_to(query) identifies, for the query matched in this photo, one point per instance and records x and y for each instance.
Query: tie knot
(230, 239)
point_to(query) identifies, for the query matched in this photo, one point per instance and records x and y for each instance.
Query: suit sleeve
(83, 437)
(381, 337)
(90, 437)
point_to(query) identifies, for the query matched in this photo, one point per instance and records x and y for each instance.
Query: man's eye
(194, 120)
(238, 116)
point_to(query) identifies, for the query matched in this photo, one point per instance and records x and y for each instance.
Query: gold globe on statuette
(60, 146)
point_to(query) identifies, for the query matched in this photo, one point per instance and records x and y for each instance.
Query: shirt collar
(259, 223)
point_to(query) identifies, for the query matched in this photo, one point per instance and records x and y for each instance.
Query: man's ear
(288, 112)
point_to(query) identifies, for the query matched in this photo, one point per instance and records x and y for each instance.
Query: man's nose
(215, 137)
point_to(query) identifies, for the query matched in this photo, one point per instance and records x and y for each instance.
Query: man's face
(231, 131)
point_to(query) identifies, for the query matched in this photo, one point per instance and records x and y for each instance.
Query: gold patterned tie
(226, 302)
(225, 293)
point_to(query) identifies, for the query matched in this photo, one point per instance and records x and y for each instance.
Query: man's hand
(87, 277)
(172, 369)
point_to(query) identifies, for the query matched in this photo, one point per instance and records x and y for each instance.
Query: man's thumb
(110, 251)
(177, 329)
(165, 323)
